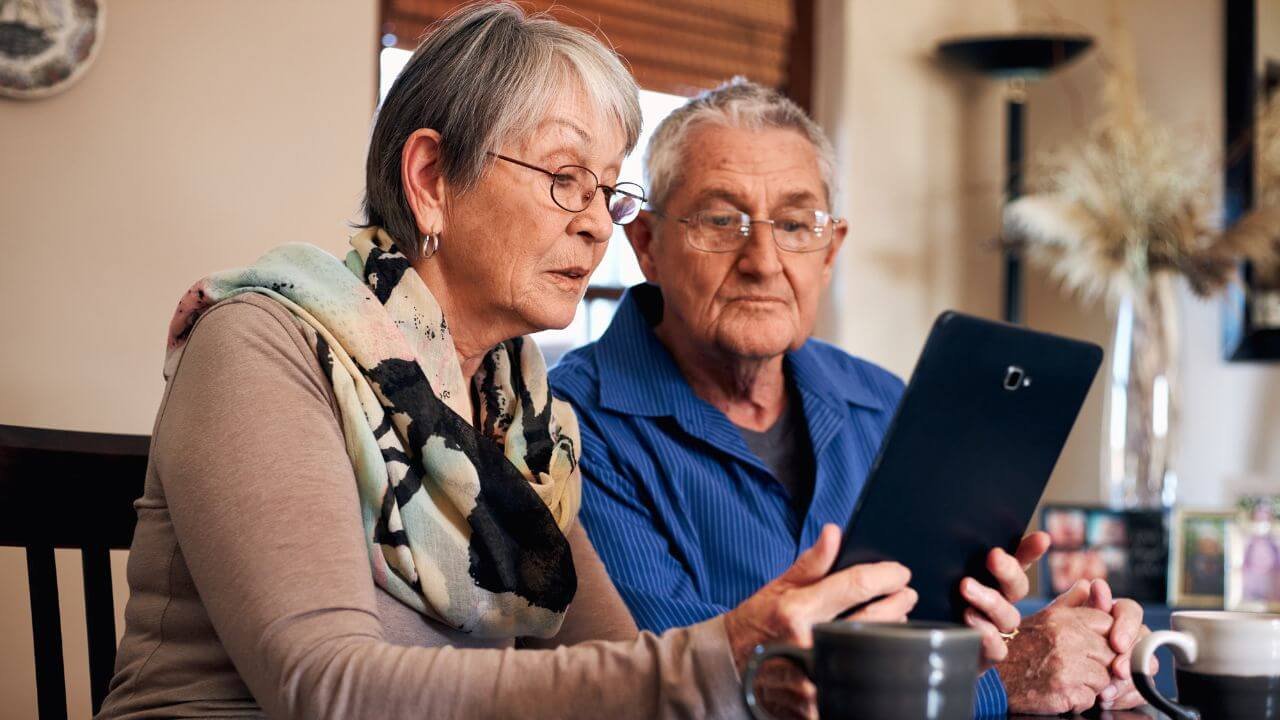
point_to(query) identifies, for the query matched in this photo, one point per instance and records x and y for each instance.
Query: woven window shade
(672, 46)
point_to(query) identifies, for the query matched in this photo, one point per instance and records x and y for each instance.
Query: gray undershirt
(785, 449)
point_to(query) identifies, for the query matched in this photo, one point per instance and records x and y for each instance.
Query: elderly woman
(361, 498)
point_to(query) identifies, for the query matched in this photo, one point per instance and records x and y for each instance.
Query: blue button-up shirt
(688, 521)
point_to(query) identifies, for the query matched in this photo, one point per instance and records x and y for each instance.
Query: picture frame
(1127, 548)
(1253, 568)
(1198, 558)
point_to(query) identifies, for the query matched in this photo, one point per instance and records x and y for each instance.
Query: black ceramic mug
(1227, 663)
(878, 671)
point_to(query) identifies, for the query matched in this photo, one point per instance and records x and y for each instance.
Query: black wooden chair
(63, 489)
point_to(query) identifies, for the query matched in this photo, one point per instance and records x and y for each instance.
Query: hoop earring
(430, 245)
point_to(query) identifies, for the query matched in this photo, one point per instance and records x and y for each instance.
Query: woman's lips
(571, 279)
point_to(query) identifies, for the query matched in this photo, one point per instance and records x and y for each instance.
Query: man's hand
(1062, 658)
(1126, 630)
(785, 611)
(991, 612)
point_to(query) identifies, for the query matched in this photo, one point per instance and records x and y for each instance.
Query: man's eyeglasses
(573, 187)
(721, 231)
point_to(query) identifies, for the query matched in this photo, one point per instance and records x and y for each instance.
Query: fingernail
(1109, 693)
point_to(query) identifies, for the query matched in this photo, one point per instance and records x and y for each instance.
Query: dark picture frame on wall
(1251, 316)
(1127, 548)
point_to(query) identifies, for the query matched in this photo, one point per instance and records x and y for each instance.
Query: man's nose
(759, 255)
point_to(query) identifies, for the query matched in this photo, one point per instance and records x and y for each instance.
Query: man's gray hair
(738, 103)
(482, 76)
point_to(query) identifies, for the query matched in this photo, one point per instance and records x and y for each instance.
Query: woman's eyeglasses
(573, 187)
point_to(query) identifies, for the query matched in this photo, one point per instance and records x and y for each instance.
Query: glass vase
(1142, 409)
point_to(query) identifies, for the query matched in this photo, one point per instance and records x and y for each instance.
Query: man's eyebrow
(721, 193)
(797, 198)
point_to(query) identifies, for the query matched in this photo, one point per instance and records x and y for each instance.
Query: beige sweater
(251, 593)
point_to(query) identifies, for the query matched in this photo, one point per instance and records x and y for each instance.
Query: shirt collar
(639, 376)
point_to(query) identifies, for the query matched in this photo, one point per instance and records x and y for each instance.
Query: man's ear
(838, 233)
(642, 234)
(423, 181)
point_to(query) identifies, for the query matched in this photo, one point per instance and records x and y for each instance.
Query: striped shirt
(689, 522)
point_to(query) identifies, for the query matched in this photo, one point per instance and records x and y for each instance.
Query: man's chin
(760, 344)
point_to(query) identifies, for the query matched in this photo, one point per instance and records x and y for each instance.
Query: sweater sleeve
(263, 502)
(597, 611)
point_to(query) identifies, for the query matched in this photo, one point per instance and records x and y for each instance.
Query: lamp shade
(1028, 56)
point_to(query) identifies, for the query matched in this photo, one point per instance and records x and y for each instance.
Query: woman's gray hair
(738, 103)
(481, 76)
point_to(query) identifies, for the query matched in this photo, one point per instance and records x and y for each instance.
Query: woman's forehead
(578, 123)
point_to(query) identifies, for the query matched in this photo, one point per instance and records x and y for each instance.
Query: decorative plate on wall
(46, 45)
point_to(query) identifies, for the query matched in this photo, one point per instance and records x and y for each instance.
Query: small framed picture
(1198, 558)
(1253, 576)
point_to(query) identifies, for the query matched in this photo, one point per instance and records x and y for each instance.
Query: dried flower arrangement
(1132, 200)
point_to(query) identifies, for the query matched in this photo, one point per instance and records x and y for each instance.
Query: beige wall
(921, 150)
(208, 132)
(205, 133)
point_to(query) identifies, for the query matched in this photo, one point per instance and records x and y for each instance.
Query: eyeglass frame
(745, 229)
(608, 189)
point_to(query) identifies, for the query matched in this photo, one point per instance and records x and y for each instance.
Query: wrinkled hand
(991, 612)
(1126, 630)
(785, 610)
(1061, 659)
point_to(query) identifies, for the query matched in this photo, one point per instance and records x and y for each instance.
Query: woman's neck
(473, 334)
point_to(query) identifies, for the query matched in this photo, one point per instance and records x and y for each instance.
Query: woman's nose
(595, 224)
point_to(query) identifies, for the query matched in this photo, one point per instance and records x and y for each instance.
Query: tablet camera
(1015, 378)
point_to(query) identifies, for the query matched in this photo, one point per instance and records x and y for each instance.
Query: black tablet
(968, 454)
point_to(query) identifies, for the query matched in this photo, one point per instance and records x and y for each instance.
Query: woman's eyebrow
(570, 125)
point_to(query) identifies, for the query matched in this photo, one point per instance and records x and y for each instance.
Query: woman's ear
(423, 182)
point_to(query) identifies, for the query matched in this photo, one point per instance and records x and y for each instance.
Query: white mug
(1227, 663)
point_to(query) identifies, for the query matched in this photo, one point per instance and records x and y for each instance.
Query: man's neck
(751, 392)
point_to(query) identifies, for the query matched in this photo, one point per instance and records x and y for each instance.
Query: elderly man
(719, 438)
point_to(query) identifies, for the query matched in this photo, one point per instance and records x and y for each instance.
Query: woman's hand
(785, 611)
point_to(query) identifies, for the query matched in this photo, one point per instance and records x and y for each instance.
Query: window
(618, 270)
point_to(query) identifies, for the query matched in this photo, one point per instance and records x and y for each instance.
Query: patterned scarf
(465, 524)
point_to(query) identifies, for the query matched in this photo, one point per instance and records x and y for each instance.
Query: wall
(208, 132)
(921, 150)
(204, 134)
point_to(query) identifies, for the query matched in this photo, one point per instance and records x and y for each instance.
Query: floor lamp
(1016, 59)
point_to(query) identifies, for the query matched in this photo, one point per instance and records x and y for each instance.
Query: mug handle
(1184, 649)
(800, 657)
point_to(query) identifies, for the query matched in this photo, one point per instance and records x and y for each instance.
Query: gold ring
(1007, 636)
